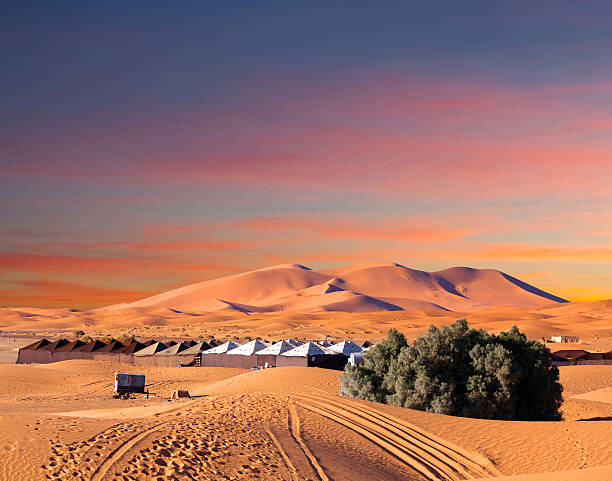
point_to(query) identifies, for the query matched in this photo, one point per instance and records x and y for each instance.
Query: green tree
(366, 381)
(460, 371)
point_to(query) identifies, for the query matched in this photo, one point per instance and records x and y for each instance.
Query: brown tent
(193, 355)
(145, 356)
(26, 354)
(43, 354)
(126, 353)
(66, 352)
(110, 352)
(169, 357)
(571, 354)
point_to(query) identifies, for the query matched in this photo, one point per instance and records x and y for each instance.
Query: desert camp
(192, 353)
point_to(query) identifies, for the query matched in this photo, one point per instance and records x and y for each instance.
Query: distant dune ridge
(356, 288)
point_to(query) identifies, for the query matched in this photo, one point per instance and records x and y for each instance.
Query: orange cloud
(531, 252)
(345, 227)
(52, 293)
(170, 245)
(62, 264)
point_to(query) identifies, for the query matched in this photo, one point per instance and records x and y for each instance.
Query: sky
(149, 145)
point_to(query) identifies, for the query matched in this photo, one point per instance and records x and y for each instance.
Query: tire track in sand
(294, 428)
(429, 455)
(119, 452)
(283, 453)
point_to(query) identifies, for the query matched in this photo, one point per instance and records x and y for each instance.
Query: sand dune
(358, 288)
(281, 424)
(591, 321)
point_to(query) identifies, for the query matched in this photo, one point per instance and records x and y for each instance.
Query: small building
(565, 339)
(356, 359)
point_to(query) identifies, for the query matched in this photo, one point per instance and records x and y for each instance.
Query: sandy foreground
(60, 422)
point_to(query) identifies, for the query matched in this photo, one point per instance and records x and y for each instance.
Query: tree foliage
(460, 371)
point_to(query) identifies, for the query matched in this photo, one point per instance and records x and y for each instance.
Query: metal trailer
(128, 383)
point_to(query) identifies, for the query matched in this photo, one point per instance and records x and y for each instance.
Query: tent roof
(173, 350)
(112, 346)
(52, 346)
(309, 349)
(197, 348)
(346, 347)
(571, 353)
(249, 348)
(276, 349)
(325, 343)
(131, 348)
(91, 346)
(71, 346)
(152, 349)
(36, 345)
(294, 342)
(228, 346)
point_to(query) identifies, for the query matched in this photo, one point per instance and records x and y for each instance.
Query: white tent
(346, 347)
(249, 348)
(276, 349)
(309, 349)
(294, 343)
(325, 343)
(228, 346)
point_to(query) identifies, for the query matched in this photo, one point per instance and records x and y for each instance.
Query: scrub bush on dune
(460, 371)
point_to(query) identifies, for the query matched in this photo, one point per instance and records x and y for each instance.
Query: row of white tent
(287, 347)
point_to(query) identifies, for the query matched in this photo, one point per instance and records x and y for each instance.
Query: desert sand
(59, 422)
(591, 321)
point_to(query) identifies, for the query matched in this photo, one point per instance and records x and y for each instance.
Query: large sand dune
(358, 288)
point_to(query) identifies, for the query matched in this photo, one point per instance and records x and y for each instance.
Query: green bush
(460, 371)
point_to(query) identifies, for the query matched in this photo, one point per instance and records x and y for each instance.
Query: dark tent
(110, 352)
(43, 354)
(65, 352)
(26, 354)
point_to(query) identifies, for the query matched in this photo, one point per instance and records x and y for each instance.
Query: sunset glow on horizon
(146, 147)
